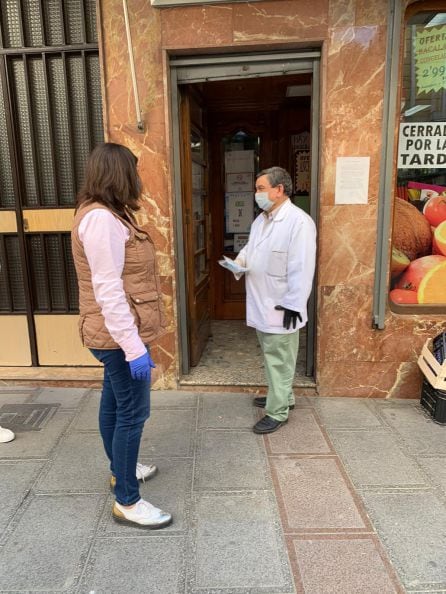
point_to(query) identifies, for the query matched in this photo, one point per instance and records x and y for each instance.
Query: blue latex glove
(141, 367)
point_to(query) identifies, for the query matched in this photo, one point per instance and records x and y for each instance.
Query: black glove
(289, 316)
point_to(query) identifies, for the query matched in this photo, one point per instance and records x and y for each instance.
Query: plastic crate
(434, 401)
(434, 371)
(439, 347)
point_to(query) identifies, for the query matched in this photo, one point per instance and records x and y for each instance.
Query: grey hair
(278, 176)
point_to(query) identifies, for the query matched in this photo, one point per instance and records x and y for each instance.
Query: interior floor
(233, 357)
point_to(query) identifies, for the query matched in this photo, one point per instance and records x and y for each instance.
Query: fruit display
(412, 233)
(418, 264)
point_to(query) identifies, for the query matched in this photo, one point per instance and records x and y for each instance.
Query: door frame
(194, 69)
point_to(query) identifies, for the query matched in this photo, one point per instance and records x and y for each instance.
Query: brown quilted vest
(141, 286)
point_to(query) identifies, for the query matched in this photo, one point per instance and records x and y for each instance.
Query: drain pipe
(139, 121)
(385, 194)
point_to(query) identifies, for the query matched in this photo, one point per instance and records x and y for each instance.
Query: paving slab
(170, 489)
(173, 399)
(221, 467)
(119, 565)
(300, 435)
(79, 465)
(38, 444)
(315, 495)
(66, 397)
(87, 419)
(346, 413)
(350, 566)
(15, 397)
(436, 470)
(375, 458)
(16, 478)
(238, 545)
(419, 432)
(169, 433)
(47, 546)
(233, 411)
(412, 527)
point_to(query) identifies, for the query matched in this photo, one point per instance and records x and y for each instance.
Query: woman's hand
(140, 368)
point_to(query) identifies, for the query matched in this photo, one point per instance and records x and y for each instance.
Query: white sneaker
(6, 435)
(143, 514)
(143, 473)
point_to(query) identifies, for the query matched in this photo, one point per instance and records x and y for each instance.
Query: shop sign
(430, 59)
(422, 145)
(161, 3)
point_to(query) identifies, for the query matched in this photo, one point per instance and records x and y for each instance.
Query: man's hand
(141, 368)
(289, 316)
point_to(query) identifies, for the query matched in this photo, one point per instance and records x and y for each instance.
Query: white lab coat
(281, 261)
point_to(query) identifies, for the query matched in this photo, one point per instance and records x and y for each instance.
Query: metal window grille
(12, 293)
(53, 274)
(50, 119)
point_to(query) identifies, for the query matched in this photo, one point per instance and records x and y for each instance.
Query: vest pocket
(145, 306)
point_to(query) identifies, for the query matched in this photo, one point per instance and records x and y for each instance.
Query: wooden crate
(433, 371)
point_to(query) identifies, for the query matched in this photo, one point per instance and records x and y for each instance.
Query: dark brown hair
(111, 178)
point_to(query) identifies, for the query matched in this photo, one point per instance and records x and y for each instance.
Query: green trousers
(280, 356)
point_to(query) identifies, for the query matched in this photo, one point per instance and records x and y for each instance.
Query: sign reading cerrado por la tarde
(422, 145)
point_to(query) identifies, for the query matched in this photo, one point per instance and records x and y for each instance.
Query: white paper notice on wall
(239, 161)
(352, 180)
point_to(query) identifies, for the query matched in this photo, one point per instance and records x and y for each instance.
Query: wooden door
(196, 219)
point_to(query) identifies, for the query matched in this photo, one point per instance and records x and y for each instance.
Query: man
(280, 260)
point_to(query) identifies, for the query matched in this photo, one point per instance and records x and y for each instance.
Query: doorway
(233, 117)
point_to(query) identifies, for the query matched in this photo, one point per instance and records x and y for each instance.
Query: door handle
(25, 225)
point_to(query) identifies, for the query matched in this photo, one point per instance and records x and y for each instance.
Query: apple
(403, 296)
(414, 273)
(435, 210)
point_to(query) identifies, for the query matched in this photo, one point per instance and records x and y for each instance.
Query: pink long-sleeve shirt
(104, 237)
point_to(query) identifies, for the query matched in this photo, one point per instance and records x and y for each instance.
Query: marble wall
(352, 358)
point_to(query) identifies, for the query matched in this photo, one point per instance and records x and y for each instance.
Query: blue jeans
(124, 407)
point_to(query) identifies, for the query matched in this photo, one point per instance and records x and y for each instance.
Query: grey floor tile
(87, 420)
(66, 397)
(226, 557)
(15, 479)
(420, 433)
(173, 399)
(227, 411)
(342, 566)
(136, 565)
(436, 470)
(315, 495)
(170, 490)
(38, 444)
(45, 550)
(79, 464)
(412, 527)
(169, 433)
(230, 460)
(375, 458)
(346, 413)
(301, 435)
(14, 397)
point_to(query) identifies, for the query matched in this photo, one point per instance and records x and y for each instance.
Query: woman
(120, 315)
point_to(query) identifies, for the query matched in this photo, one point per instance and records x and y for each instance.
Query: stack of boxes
(432, 363)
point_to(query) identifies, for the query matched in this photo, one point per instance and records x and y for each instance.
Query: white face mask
(263, 200)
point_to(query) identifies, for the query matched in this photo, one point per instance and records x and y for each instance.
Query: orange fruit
(440, 238)
(432, 288)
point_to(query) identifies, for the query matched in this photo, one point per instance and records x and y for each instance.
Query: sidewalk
(349, 497)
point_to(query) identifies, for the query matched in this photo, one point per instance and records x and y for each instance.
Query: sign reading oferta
(161, 3)
(430, 59)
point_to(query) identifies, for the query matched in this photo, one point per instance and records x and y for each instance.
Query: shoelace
(146, 504)
(140, 467)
